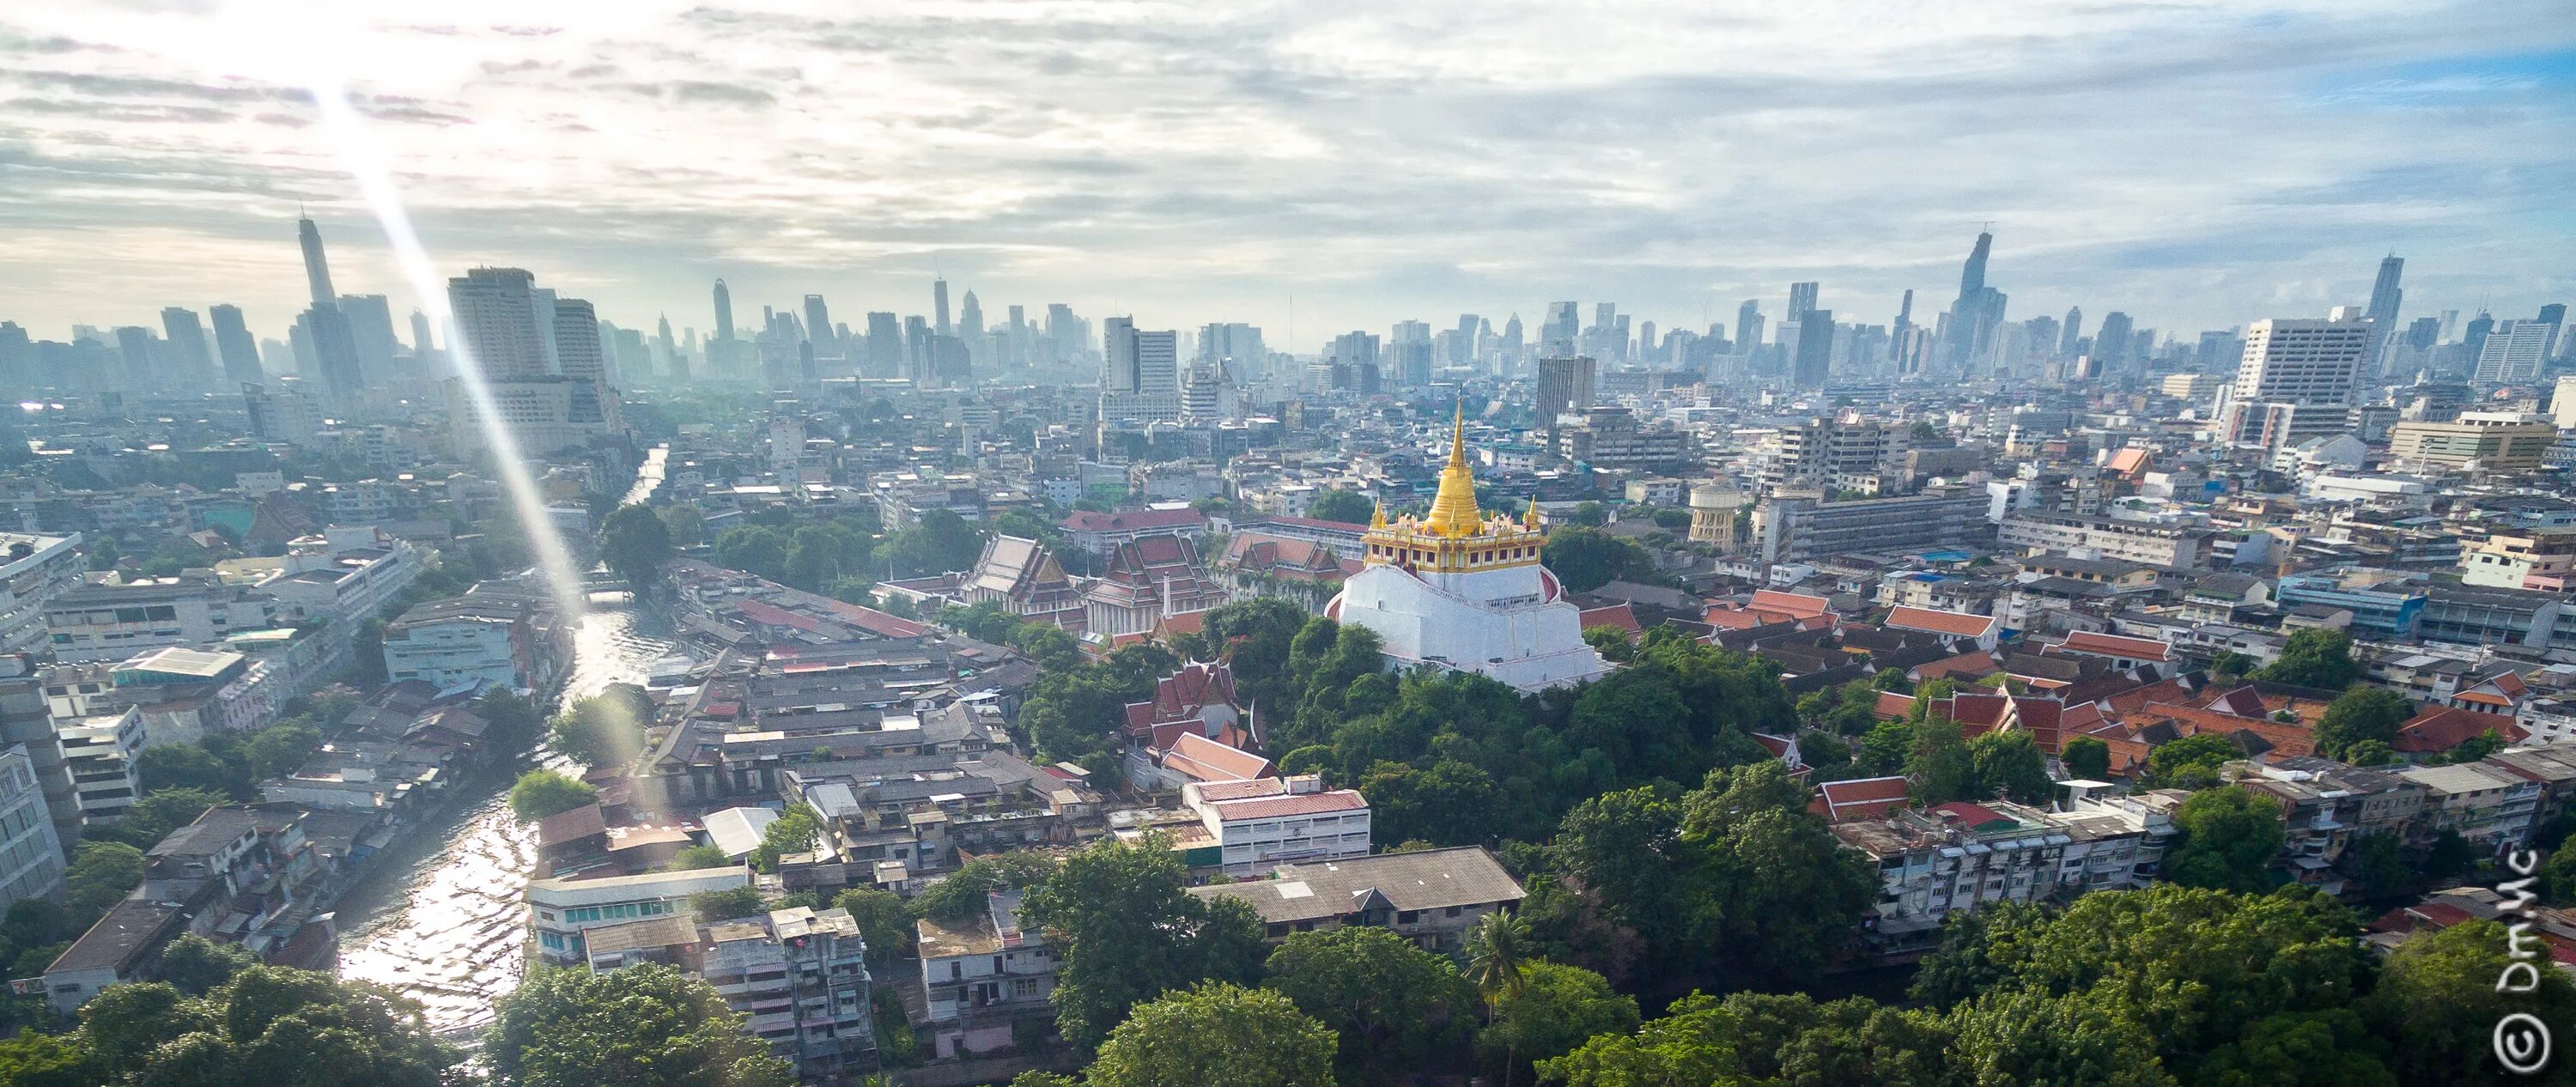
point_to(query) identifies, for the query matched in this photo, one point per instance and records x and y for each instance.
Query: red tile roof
(1953, 623)
(1975, 664)
(1969, 815)
(1861, 798)
(1272, 807)
(1202, 759)
(2112, 645)
(1794, 605)
(770, 615)
(1131, 520)
(2441, 728)
(1612, 615)
(1893, 706)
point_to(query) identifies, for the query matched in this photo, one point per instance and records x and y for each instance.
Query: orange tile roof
(1953, 623)
(1860, 798)
(2441, 728)
(2113, 645)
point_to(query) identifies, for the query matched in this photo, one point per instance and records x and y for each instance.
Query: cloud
(2197, 164)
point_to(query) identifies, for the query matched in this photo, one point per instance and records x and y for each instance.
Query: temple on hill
(1456, 589)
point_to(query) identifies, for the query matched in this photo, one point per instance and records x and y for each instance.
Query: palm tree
(1496, 949)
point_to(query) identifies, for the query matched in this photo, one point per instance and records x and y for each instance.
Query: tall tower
(1967, 314)
(496, 323)
(1904, 321)
(317, 271)
(1802, 297)
(818, 323)
(234, 343)
(2073, 334)
(939, 307)
(187, 343)
(2385, 294)
(724, 313)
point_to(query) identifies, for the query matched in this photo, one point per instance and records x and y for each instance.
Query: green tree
(1395, 1006)
(2191, 762)
(2362, 714)
(2442, 994)
(987, 621)
(44, 1060)
(1216, 1033)
(1552, 1011)
(2009, 764)
(635, 543)
(2228, 840)
(183, 766)
(1690, 1045)
(1884, 749)
(2232, 664)
(2475, 747)
(1940, 764)
(644, 1026)
(1347, 507)
(963, 895)
(753, 549)
(543, 792)
(2369, 753)
(1125, 929)
(1845, 1043)
(2087, 758)
(100, 873)
(265, 1024)
(885, 923)
(605, 729)
(1787, 895)
(1585, 559)
(2302, 1049)
(726, 904)
(796, 830)
(2026, 1037)
(196, 965)
(684, 523)
(2318, 657)
(696, 857)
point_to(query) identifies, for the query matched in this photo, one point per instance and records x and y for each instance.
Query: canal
(443, 923)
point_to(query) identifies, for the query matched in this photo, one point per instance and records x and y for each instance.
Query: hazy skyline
(2196, 165)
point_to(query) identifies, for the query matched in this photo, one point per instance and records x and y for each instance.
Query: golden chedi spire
(1377, 516)
(1453, 511)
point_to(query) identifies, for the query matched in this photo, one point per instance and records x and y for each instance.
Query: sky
(1307, 167)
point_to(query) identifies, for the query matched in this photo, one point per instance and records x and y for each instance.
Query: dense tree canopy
(543, 792)
(634, 542)
(2228, 841)
(1125, 930)
(256, 1025)
(2364, 714)
(1585, 558)
(1216, 1033)
(2318, 657)
(643, 1026)
(1348, 507)
(1395, 1007)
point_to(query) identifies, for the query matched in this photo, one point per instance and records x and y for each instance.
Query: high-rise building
(1117, 355)
(421, 342)
(1802, 297)
(497, 325)
(317, 268)
(137, 346)
(2111, 345)
(1815, 349)
(1410, 345)
(1557, 337)
(233, 342)
(1748, 326)
(2296, 381)
(1507, 347)
(2070, 337)
(2385, 294)
(1564, 386)
(970, 325)
(2473, 336)
(325, 329)
(885, 345)
(1904, 321)
(724, 313)
(917, 361)
(187, 345)
(1967, 315)
(2512, 351)
(1239, 343)
(939, 307)
(577, 335)
(1158, 370)
(371, 332)
(818, 326)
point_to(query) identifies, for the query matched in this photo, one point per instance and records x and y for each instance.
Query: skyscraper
(917, 349)
(2111, 344)
(1564, 385)
(187, 345)
(326, 330)
(317, 269)
(2296, 381)
(371, 331)
(939, 306)
(724, 313)
(885, 345)
(1802, 297)
(1748, 326)
(233, 341)
(1815, 348)
(818, 326)
(2385, 294)
(1965, 314)
(1557, 337)
(138, 346)
(2070, 340)
(1904, 320)
(1117, 355)
(496, 323)
(970, 325)
(2511, 352)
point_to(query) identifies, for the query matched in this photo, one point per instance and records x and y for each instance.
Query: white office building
(2513, 352)
(33, 570)
(31, 856)
(2311, 368)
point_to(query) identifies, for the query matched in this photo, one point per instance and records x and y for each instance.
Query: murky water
(443, 921)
